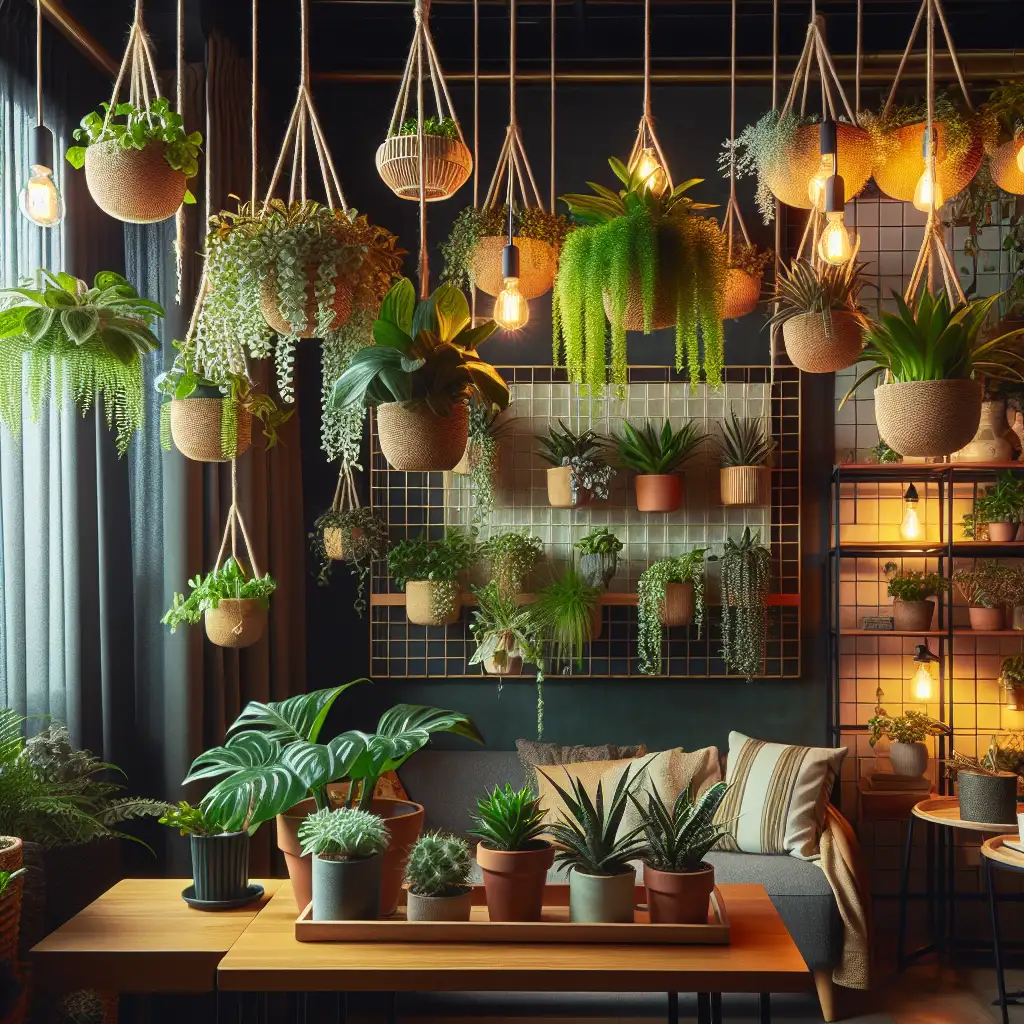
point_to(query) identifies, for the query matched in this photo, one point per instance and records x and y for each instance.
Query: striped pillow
(777, 796)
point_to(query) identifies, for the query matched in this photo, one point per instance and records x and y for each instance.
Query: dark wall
(594, 122)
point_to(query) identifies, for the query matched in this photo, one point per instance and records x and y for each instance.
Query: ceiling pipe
(80, 38)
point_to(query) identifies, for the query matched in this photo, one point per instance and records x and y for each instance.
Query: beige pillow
(534, 752)
(777, 796)
(588, 772)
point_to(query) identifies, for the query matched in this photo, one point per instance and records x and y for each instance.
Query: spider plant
(805, 288)
(563, 613)
(744, 443)
(651, 452)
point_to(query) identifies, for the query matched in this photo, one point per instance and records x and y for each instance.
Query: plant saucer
(252, 892)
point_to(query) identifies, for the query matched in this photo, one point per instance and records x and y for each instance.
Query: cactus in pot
(437, 873)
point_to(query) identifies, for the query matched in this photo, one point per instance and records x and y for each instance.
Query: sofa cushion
(587, 773)
(534, 752)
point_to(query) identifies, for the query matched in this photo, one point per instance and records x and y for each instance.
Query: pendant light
(928, 193)
(39, 200)
(646, 157)
(910, 527)
(922, 684)
(827, 167)
(835, 246)
(511, 310)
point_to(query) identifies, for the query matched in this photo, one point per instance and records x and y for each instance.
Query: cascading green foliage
(364, 537)
(956, 135)
(513, 556)
(746, 578)
(688, 568)
(227, 583)
(439, 865)
(634, 238)
(91, 339)
(482, 453)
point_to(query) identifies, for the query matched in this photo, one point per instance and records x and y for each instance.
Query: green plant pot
(346, 890)
(601, 899)
(220, 866)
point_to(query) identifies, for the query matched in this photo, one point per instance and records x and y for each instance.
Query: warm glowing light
(923, 684)
(910, 528)
(834, 246)
(511, 310)
(39, 199)
(816, 186)
(648, 166)
(928, 193)
(1020, 157)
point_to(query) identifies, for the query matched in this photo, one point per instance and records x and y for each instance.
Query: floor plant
(746, 568)
(685, 572)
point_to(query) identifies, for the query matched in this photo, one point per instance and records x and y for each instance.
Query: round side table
(996, 856)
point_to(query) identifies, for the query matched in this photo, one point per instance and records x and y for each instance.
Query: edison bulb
(922, 683)
(511, 311)
(928, 193)
(834, 245)
(1020, 157)
(652, 174)
(910, 528)
(816, 186)
(39, 199)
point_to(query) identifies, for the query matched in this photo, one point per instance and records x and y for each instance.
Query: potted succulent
(346, 845)
(91, 339)
(656, 457)
(437, 873)
(513, 859)
(911, 593)
(512, 556)
(746, 267)
(817, 306)
(670, 592)
(908, 752)
(420, 375)
(1011, 676)
(567, 613)
(984, 590)
(220, 859)
(679, 881)
(505, 633)
(595, 848)
(448, 162)
(930, 357)
(999, 508)
(137, 160)
(480, 459)
(599, 557)
(652, 261)
(1002, 117)
(579, 471)
(746, 568)
(232, 605)
(745, 451)
(355, 536)
(428, 571)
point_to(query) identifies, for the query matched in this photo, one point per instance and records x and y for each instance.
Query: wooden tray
(554, 926)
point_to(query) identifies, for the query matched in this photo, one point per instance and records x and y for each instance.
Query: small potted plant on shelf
(428, 571)
(420, 375)
(595, 848)
(747, 265)
(670, 592)
(437, 873)
(355, 536)
(1011, 675)
(908, 752)
(513, 859)
(656, 457)
(883, 455)
(512, 556)
(745, 451)
(579, 471)
(505, 633)
(599, 557)
(346, 846)
(568, 616)
(911, 593)
(987, 787)
(999, 508)
(679, 881)
(480, 460)
(746, 569)
(220, 858)
(983, 588)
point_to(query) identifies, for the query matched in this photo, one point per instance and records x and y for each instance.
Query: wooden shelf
(961, 548)
(924, 467)
(939, 633)
(609, 598)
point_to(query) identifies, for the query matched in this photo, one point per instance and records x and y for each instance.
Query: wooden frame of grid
(413, 502)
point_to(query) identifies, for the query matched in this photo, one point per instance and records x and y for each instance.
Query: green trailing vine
(482, 456)
(688, 568)
(512, 557)
(363, 537)
(746, 567)
(205, 593)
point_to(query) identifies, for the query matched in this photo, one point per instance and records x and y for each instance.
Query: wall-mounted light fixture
(922, 685)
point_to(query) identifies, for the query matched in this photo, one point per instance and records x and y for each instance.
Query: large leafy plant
(634, 239)
(226, 583)
(91, 339)
(657, 452)
(678, 838)
(688, 568)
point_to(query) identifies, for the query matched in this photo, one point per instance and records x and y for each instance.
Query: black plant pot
(220, 866)
(988, 798)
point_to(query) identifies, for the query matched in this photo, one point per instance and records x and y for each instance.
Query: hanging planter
(746, 568)
(428, 571)
(505, 633)
(1002, 124)
(414, 438)
(746, 266)
(745, 450)
(579, 471)
(655, 608)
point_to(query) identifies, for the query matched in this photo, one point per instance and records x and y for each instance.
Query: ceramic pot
(679, 897)
(413, 438)
(989, 444)
(514, 880)
(990, 798)
(220, 865)
(659, 492)
(1001, 533)
(986, 620)
(1018, 617)
(601, 899)
(512, 667)
(677, 608)
(598, 569)
(440, 908)
(912, 616)
(745, 486)
(908, 760)
(347, 890)
(433, 602)
(560, 491)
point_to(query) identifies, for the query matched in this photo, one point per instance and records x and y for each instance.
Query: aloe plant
(656, 452)
(678, 838)
(745, 443)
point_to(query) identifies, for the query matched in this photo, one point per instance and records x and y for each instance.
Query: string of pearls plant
(746, 567)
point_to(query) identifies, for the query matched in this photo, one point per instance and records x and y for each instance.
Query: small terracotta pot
(912, 616)
(596, 622)
(559, 491)
(513, 666)
(514, 880)
(986, 619)
(659, 492)
(1001, 533)
(679, 897)
(745, 486)
(677, 608)
(908, 760)
(433, 602)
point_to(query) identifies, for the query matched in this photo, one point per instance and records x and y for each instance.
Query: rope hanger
(815, 51)
(733, 216)
(646, 136)
(345, 492)
(234, 523)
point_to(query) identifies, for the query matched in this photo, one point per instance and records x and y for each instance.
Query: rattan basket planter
(1006, 173)
(433, 602)
(415, 439)
(309, 328)
(136, 186)
(789, 174)
(677, 608)
(745, 486)
(928, 418)
(537, 264)
(817, 345)
(663, 312)
(197, 424)
(898, 162)
(448, 166)
(236, 622)
(334, 541)
(742, 293)
(10, 901)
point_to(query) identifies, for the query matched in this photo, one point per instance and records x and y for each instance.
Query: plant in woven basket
(583, 454)
(91, 339)
(6, 877)
(417, 558)
(746, 567)
(911, 585)
(984, 586)
(344, 833)
(564, 613)
(443, 127)
(508, 819)
(439, 865)
(1002, 502)
(650, 451)
(229, 582)
(804, 287)
(759, 147)
(361, 536)
(513, 556)
(750, 259)
(678, 838)
(652, 250)
(1002, 114)
(688, 568)
(910, 727)
(744, 442)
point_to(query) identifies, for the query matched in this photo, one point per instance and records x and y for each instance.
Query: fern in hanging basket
(355, 536)
(91, 339)
(645, 261)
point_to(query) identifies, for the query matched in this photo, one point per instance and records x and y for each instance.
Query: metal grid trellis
(413, 502)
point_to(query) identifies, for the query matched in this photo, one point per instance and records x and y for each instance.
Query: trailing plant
(910, 727)
(599, 542)
(1011, 673)
(485, 428)
(649, 451)
(133, 127)
(678, 838)
(564, 616)
(746, 579)
(90, 339)
(884, 455)
(1013, 584)
(513, 556)
(1004, 754)
(583, 454)
(910, 585)
(510, 820)
(805, 287)
(191, 821)
(444, 127)
(417, 558)
(1002, 114)
(226, 583)
(958, 133)
(636, 239)
(1002, 502)
(439, 865)
(363, 537)
(745, 442)
(750, 259)
(344, 833)
(688, 568)
(983, 586)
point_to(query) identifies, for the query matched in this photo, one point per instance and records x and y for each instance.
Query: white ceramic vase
(989, 444)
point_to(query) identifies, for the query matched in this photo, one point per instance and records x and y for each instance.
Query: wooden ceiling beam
(80, 38)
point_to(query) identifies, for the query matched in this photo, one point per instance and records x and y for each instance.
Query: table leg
(673, 1008)
(990, 878)
(904, 885)
(951, 868)
(340, 1008)
(703, 1008)
(716, 1008)
(764, 1008)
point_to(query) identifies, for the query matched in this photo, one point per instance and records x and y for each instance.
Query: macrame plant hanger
(235, 523)
(138, 65)
(476, 139)
(733, 216)
(345, 495)
(646, 137)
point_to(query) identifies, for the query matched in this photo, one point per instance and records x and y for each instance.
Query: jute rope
(476, 138)
(732, 210)
(552, 48)
(816, 52)
(179, 216)
(773, 331)
(646, 136)
(139, 65)
(235, 522)
(345, 491)
(255, 110)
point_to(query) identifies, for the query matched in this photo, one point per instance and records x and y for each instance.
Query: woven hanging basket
(271, 309)
(1002, 162)
(663, 314)
(745, 486)
(414, 439)
(449, 164)
(334, 541)
(816, 346)
(196, 428)
(137, 186)
(789, 174)
(677, 608)
(928, 418)
(433, 602)
(10, 901)
(742, 293)
(899, 163)
(236, 622)
(537, 264)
